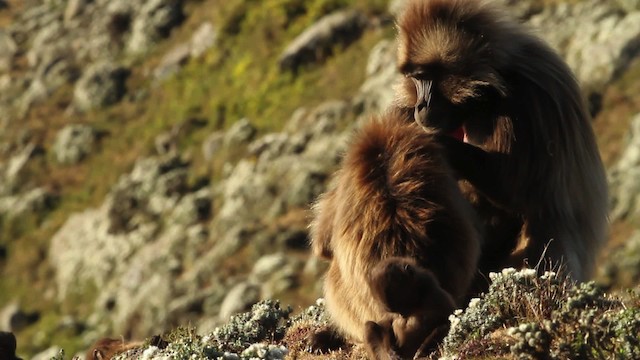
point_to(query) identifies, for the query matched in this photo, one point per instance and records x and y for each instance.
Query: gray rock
(12, 170)
(14, 319)
(276, 273)
(101, 85)
(33, 201)
(377, 92)
(597, 40)
(323, 120)
(317, 42)
(267, 265)
(8, 49)
(73, 143)
(73, 9)
(192, 208)
(45, 42)
(172, 62)
(269, 146)
(629, 5)
(624, 186)
(307, 182)
(621, 269)
(203, 39)
(154, 22)
(244, 192)
(212, 144)
(240, 133)
(49, 353)
(239, 299)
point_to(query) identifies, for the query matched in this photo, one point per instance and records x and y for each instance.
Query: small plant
(266, 321)
(545, 317)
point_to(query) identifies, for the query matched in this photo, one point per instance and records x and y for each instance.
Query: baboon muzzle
(423, 100)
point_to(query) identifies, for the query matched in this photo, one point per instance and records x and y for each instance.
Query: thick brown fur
(106, 348)
(530, 161)
(394, 219)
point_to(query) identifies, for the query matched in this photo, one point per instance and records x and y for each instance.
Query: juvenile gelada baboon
(526, 150)
(399, 235)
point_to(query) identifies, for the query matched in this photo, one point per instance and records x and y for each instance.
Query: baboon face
(449, 65)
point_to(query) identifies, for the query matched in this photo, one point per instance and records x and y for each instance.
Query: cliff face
(159, 157)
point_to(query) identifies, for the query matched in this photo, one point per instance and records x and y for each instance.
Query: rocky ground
(159, 157)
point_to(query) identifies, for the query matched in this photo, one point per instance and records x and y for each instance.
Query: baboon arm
(484, 170)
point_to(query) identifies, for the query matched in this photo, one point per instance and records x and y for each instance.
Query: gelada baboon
(527, 152)
(400, 237)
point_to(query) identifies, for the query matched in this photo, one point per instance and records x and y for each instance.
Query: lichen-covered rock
(172, 62)
(153, 22)
(276, 273)
(377, 92)
(35, 201)
(630, 5)
(597, 40)
(73, 143)
(203, 39)
(73, 9)
(133, 259)
(239, 299)
(241, 132)
(101, 85)
(622, 266)
(623, 178)
(14, 318)
(12, 170)
(318, 41)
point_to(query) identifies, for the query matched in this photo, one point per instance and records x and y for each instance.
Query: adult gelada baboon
(400, 236)
(525, 148)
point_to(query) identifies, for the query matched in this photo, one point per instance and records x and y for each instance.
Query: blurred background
(159, 157)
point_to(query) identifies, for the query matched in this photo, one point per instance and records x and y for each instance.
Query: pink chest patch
(458, 134)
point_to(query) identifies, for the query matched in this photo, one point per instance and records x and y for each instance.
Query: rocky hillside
(159, 157)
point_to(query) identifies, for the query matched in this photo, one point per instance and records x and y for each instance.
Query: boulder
(621, 269)
(212, 143)
(14, 318)
(630, 5)
(624, 186)
(203, 39)
(101, 85)
(240, 133)
(34, 201)
(172, 62)
(153, 22)
(377, 92)
(597, 40)
(73, 143)
(239, 299)
(318, 41)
